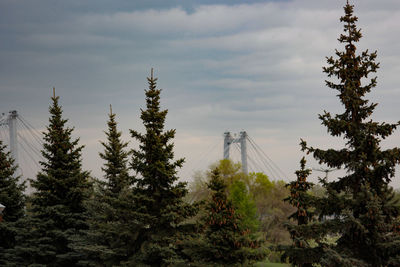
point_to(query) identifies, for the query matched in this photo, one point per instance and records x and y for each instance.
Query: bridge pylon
(228, 140)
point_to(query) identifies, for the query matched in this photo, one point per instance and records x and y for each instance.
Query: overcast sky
(223, 65)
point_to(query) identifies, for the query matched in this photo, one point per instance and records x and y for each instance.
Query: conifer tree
(105, 243)
(359, 203)
(303, 202)
(159, 197)
(12, 197)
(57, 212)
(116, 158)
(225, 240)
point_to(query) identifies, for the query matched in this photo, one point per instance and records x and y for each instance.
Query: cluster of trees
(139, 219)
(139, 214)
(258, 200)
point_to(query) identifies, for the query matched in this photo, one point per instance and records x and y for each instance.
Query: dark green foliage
(12, 197)
(224, 240)
(359, 205)
(57, 212)
(106, 243)
(116, 159)
(161, 211)
(303, 202)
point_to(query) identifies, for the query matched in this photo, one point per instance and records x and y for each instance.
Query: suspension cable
(258, 148)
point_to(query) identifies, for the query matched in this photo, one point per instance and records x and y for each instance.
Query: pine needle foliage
(358, 207)
(13, 198)
(57, 212)
(106, 242)
(116, 174)
(159, 196)
(303, 201)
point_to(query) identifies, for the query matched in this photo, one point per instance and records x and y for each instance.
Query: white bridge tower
(11, 122)
(228, 140)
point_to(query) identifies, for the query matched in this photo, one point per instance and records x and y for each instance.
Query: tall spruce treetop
(58, 210)
(159, 195)
(12, 197)
(116, 158)
(360, 200)
(106, 243)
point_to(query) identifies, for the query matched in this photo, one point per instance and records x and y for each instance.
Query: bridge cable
(272, 172)
(273, 163)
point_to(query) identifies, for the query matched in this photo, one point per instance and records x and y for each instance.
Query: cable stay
(19, 135)
(265, 165)
(34, 133)
(267, 159)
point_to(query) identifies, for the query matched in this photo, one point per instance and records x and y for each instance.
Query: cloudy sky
(223, 65)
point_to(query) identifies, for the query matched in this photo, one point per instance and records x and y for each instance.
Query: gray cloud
(223, 65)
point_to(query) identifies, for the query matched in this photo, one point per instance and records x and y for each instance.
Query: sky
(223, 65)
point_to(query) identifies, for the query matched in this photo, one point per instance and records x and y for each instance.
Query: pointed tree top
(151, 73)
(111, 109)
(54, 92)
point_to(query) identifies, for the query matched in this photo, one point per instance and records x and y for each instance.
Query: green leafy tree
(12, 197)
(245, 205)
(303, 201)
(159, 196)
(107, 243)
(359, 205)
(57, 212)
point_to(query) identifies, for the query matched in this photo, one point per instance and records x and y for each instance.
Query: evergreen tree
(303, 202)
(12, 197)
(116, 159)
(159, 197)
(106, 242)
(359, 203)
(224, 240)
(57, 212)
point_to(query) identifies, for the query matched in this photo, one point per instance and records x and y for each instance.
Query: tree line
(140, 214)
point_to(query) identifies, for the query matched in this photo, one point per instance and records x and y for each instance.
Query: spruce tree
(159, 197)
(12, 197)
(57, 212)
(106, 242)
(116, 158)
(359, 205)
(301, 199)
(224, 240)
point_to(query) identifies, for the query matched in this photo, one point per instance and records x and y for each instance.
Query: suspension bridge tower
(228, 140)
(11, 122)
(24, 143)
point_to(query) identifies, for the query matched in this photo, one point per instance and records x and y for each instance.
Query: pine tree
(359, 203)
(159, 197)
(57, 212)
(116, 158)
(225, 240)
(303, 202)
(12, 197)
(105, 243)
